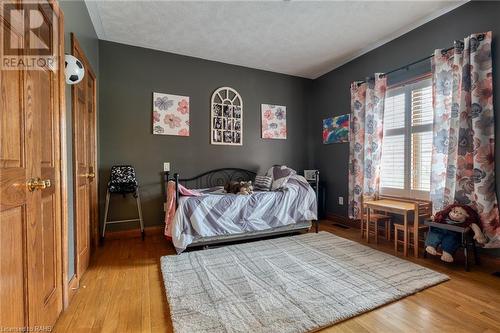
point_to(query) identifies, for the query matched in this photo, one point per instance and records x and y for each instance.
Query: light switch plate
(166, 166)
(341, 201)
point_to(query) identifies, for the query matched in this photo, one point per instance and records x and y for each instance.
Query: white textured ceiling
(305, 39)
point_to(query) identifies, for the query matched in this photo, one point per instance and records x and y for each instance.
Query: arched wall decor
(226, 117)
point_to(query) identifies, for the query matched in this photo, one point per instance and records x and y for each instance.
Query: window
(407, 143)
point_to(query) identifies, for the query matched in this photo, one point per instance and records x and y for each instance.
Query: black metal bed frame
(220, 177)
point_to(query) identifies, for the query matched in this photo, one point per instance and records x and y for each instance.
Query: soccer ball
(73, 69)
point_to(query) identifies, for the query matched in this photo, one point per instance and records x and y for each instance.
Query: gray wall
(76, 20)
(130, 75)
(331, 95)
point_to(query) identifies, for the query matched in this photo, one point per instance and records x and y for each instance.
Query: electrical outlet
(166, 166)
(341, 201)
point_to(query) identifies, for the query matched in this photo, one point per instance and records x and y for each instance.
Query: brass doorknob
(38, 184)
(90, 175)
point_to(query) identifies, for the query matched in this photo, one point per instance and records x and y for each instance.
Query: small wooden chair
(399, 227)
(376, 218)
(424, 209)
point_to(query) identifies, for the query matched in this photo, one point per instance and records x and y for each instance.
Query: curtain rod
(409, 65)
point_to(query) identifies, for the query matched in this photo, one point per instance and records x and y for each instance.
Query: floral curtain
(463, 161)
(365, 146)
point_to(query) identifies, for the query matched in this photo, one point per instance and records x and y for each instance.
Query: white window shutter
(407, 144)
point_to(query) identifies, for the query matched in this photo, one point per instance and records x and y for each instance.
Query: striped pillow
(262, 183)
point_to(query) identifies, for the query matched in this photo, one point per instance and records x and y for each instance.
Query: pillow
(262, 183)
(280, 175)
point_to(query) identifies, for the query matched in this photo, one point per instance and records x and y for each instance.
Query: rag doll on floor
(459, 215)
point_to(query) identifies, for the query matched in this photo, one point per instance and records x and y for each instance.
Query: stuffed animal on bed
(456, 214)
(242, 187)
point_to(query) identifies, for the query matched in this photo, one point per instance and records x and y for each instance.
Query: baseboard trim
(134, 233)
(343, 220)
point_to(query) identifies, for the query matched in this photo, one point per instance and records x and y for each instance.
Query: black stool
(123, 181)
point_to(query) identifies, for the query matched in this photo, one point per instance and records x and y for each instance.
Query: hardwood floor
(122, 291)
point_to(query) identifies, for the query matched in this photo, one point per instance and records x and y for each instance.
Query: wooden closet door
(92, 158)
(14, 204)
(30, 249)
(84, 154)
(43, 229)
(82, 180)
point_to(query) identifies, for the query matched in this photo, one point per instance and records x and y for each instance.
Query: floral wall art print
(336, 129)
(273, 121)
(170, 114)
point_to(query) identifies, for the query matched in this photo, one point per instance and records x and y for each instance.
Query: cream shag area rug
(291, 284)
